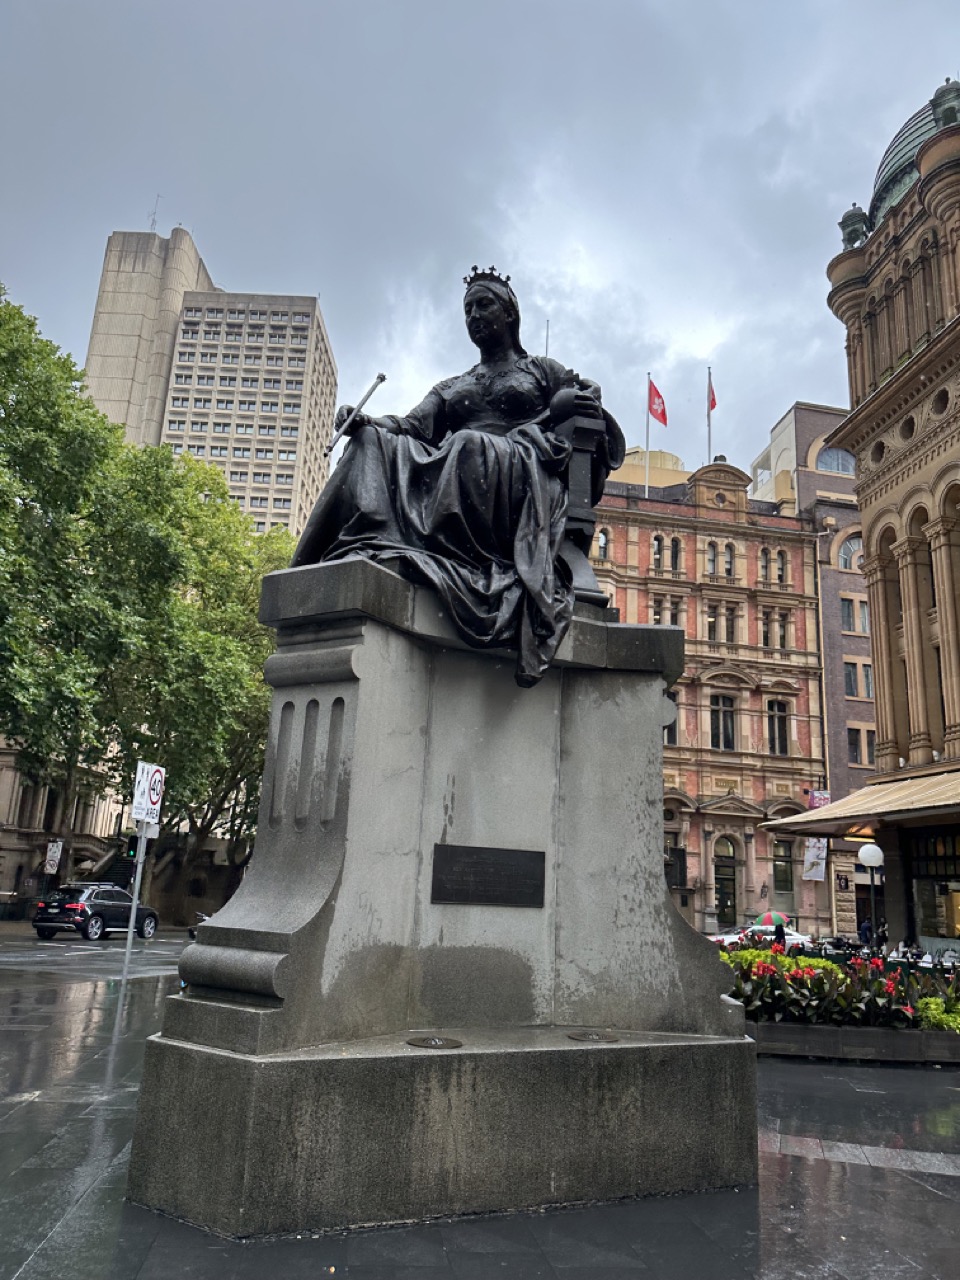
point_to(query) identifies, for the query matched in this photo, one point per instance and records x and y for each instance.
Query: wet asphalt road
(860, 1168)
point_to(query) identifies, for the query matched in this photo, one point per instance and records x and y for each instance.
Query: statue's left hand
(587, 402)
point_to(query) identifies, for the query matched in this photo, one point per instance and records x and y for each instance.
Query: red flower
(856, 962)
(809, 973)
(776, 949)
(876, 963)
(908, 1008)
(890, 987)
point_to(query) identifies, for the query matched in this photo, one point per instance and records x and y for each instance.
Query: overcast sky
(662, 178)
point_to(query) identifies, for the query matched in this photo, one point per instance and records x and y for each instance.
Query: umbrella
(772, 917)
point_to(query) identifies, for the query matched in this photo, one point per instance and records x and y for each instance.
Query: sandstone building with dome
(896, 288)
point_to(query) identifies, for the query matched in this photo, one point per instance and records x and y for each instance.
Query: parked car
(792, 939)
(91, 909)
(730, 938)
(745, 935)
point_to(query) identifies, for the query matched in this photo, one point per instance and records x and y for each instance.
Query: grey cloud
(662, 179)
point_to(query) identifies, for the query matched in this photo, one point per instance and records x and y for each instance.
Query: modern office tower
(245, 381)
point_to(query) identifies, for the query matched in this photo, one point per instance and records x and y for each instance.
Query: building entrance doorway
(725, 878)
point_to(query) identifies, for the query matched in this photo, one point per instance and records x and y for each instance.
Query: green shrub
(934, 1016)
(749, 956)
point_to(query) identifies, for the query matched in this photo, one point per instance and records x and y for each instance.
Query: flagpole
(646, 487)
(709, 439)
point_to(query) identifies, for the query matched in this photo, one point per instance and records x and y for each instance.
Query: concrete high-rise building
(246, 381)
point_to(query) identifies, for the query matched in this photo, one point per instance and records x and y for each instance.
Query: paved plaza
(859, 1172)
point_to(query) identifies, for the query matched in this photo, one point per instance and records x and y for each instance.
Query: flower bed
(776, 988)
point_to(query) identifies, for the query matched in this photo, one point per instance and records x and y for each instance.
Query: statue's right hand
(343, 413)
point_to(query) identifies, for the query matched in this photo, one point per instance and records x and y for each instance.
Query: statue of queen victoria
(468, 492)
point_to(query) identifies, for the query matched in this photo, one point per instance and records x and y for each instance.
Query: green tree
(129, 585)
(60, 624)
(200, 705)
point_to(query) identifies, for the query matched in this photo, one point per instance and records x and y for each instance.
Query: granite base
(378, 1131)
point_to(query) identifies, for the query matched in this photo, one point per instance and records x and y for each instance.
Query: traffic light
(130, 847)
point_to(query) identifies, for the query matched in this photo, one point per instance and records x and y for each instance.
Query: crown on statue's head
(491, 275)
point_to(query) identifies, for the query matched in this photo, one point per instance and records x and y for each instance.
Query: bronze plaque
(476, 876)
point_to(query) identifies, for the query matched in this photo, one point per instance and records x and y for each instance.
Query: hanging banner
(815, 858)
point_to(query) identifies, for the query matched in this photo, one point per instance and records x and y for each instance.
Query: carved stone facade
(898, 294)
(739, 578)
(800, 471)
(26, 826)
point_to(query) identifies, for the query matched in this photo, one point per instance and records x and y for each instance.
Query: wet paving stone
(860, 1172)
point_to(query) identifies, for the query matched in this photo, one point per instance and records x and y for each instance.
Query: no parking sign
(148, 792)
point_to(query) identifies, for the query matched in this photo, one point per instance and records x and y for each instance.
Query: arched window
(838, 460)
(722, 722)
(711, 557)
(781, 566)
(658, 550)
(764, 564)
(729, 559)
(675, 554)
(603, 544)
(777, 727)
(850, 555)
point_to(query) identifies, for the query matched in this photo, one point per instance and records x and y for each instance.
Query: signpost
(54, 850)
(147, 799)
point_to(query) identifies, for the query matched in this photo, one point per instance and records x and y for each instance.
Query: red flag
(711, 395)
(657, 407)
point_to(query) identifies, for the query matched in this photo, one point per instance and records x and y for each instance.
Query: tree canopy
(129, 583)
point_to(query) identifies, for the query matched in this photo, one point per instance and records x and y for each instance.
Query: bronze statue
(468, 493)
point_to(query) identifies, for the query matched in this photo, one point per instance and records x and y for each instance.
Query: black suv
(90, 909)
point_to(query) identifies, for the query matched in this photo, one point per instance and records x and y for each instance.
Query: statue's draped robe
(467, 492)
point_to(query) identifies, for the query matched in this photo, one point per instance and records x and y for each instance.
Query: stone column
(901, 328)
(869, 352)
(921, 749)
(947, 281)
(941, 534)
(887, 749)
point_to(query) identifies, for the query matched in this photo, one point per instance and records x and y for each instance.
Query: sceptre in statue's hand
(352, 415)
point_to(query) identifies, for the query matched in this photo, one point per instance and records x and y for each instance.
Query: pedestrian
(866, 932)
(780, 935)
(883, 935)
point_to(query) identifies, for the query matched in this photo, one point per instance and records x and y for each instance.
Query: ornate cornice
(902, 391)
(908, 461)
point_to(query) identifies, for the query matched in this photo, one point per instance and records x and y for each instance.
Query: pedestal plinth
(439, 849)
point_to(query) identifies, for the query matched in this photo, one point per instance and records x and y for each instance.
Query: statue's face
(487, 319)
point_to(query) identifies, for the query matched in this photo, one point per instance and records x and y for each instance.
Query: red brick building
(739, 578)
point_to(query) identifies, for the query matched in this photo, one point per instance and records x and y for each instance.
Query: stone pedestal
(439, 849)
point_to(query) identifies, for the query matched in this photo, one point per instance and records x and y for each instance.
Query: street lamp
(871, 855)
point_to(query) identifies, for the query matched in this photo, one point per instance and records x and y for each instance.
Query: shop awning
(880, 804)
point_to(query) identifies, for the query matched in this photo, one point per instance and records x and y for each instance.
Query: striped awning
(880, 804)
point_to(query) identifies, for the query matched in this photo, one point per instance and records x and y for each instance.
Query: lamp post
(871, 855)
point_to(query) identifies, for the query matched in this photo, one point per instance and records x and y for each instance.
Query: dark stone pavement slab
(860, 1177)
